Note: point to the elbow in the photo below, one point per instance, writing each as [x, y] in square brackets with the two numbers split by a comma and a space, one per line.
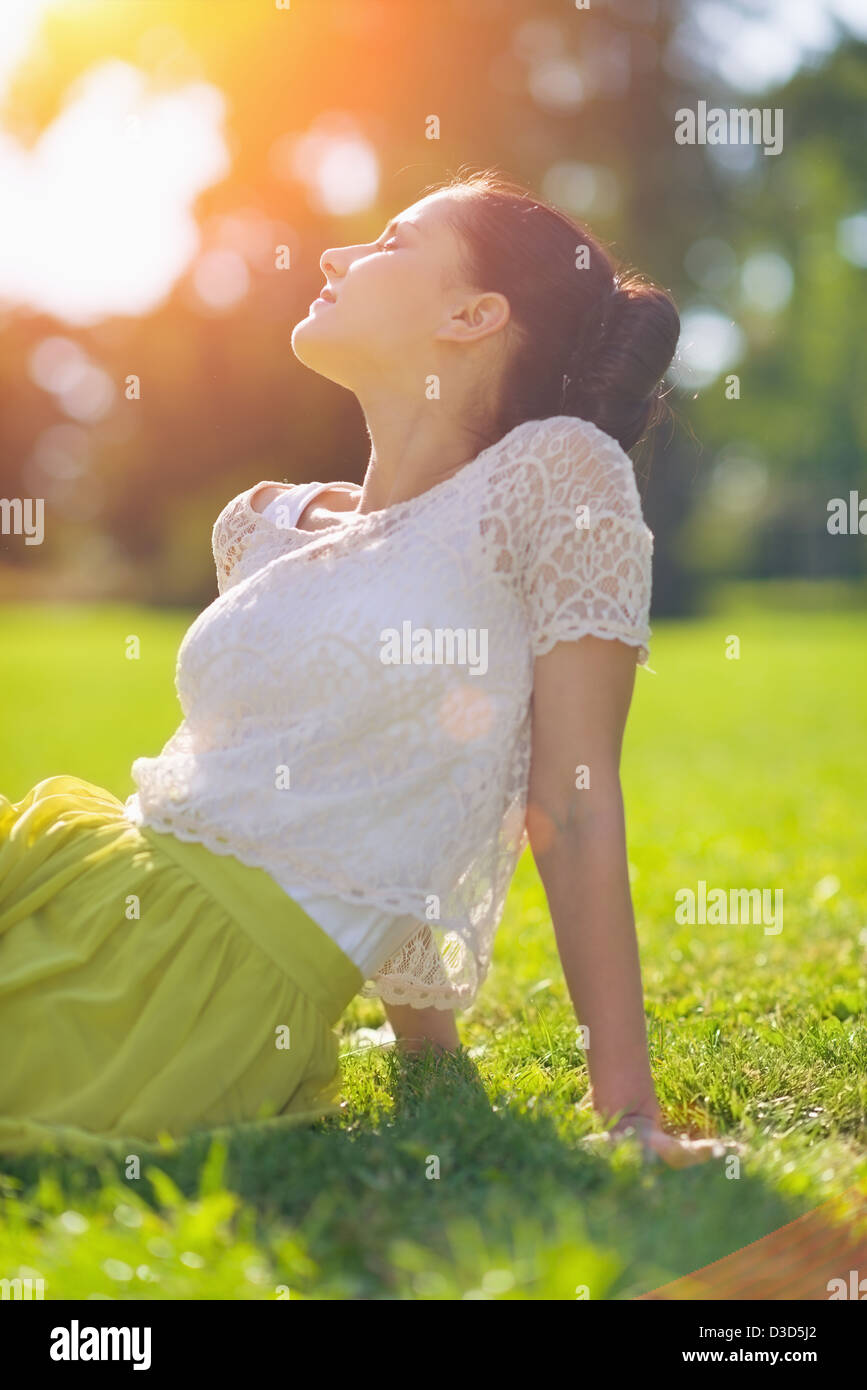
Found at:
[564, 829]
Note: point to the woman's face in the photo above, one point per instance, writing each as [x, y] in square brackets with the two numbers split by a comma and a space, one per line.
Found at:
[385, 302]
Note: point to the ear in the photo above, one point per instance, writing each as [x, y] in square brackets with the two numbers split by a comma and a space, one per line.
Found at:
[474, 318]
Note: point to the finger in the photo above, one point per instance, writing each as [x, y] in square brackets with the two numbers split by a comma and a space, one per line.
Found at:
[687, 1153]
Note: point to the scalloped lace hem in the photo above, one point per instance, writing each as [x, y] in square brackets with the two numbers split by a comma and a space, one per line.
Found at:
[418, 996]
[402, 906]
[548, 643]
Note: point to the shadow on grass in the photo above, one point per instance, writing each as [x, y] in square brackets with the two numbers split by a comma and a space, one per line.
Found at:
[438, 1163]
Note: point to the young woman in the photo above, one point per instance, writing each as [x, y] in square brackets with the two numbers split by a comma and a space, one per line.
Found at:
[398, 684]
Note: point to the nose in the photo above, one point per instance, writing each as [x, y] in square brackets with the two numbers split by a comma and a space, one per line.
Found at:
[328, 263]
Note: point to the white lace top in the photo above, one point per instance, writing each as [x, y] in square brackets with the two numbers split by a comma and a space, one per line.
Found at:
[365, 934]
[356, 701]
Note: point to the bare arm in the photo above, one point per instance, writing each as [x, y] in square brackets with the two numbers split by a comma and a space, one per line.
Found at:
[582, 693]
[415, 1028]
[581, 697]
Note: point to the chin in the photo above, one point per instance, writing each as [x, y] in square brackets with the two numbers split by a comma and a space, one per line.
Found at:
[314, 351]
[304, 343]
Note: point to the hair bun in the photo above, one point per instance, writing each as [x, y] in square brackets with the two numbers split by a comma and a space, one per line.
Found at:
[621, 365]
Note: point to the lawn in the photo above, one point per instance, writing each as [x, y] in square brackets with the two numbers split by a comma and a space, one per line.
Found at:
[739, 773]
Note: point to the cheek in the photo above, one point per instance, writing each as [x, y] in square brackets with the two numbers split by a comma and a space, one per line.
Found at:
[398, 302]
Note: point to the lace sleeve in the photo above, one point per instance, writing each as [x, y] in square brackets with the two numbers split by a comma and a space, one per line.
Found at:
[235, 524]
[588, 561]
[414, 975]
[230, 539]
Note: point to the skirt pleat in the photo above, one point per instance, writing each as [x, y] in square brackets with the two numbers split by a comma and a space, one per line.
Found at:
[148, 987]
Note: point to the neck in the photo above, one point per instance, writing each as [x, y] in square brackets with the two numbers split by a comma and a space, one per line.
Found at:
[414, 446]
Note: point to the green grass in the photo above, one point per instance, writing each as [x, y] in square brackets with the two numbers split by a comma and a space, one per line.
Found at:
[742, 773]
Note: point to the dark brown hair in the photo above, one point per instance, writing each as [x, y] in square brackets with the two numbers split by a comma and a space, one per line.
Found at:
[591, 341]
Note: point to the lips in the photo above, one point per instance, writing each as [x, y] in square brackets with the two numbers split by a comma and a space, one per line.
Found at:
[328, 295]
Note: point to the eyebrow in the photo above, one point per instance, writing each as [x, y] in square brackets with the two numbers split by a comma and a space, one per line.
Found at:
[395, 226]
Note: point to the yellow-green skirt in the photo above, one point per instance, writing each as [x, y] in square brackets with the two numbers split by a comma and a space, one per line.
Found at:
[150, 988]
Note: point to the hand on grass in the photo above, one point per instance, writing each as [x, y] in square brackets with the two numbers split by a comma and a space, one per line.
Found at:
[674, 1150]
[677, 1151]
